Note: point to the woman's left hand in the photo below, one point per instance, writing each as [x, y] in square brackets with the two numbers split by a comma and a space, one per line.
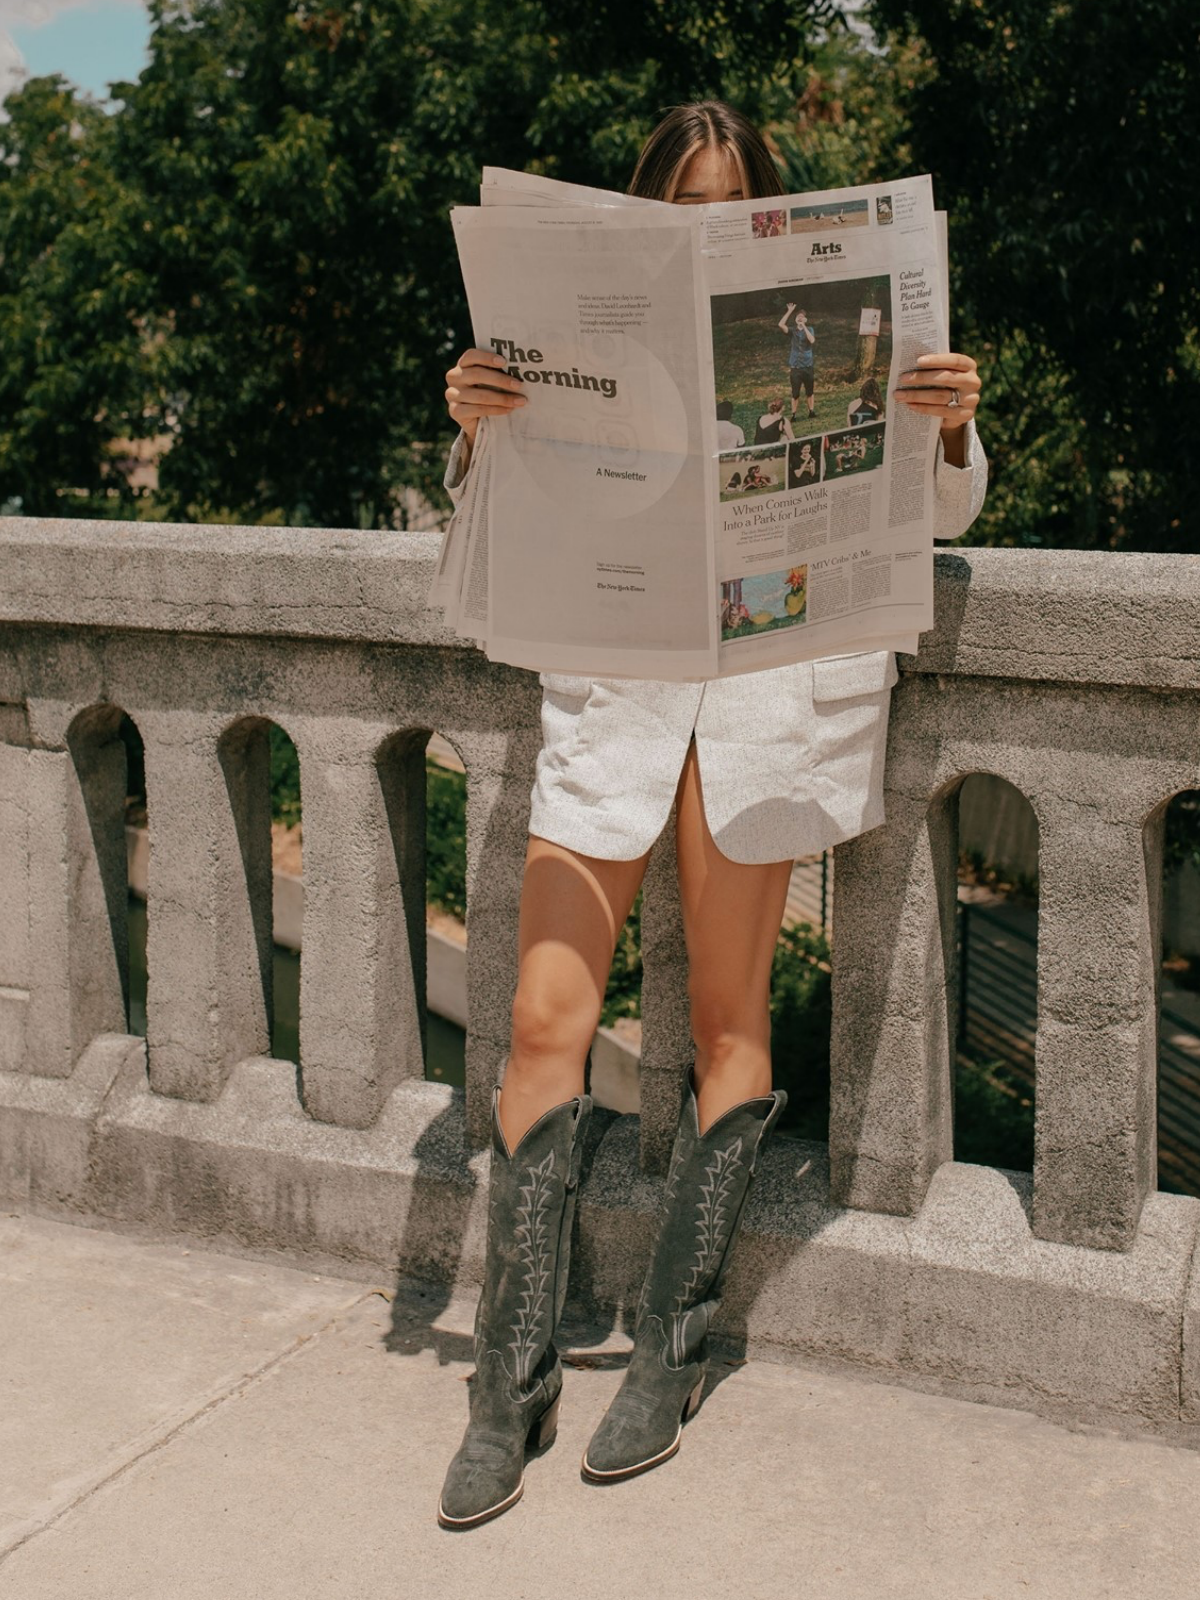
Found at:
[930, 389]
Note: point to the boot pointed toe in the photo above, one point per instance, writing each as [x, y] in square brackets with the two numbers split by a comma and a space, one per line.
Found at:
[484, 1479]
[642, 1428]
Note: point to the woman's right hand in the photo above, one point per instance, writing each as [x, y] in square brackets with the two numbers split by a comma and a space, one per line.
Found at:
[479, 386]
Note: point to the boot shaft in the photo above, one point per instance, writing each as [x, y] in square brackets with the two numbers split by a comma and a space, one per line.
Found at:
[531, 1204]
[708, 1182]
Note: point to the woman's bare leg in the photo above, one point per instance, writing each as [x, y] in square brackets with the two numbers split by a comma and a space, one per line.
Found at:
[572, 909]
[731, 918]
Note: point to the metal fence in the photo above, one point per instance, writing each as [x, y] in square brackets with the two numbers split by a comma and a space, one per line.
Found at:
[1178, 1103]
[997, 988]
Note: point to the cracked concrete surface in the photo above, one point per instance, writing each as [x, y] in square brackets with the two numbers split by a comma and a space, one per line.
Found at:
[182, 1424]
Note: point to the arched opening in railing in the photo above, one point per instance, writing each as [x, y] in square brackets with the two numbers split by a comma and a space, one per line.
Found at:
[99, 740]
[997, 996]
[287, 894]
[445, 934]
[137, 860]
[262, 780]
[1179, 998]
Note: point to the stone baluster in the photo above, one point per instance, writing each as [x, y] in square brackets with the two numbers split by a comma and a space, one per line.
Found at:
[362, 970]
[16, 900]
[1098, 948]
[894, 962]
[667, 1048]
[208, 953]
[72, 788]
[500, 769]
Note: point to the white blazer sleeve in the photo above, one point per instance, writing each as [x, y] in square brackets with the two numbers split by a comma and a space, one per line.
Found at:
[958, 491]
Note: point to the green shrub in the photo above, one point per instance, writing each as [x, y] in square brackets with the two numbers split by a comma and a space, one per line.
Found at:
[623, 997]
[285, 779]
[993, 1115]
[446, 839]
[800, 1023]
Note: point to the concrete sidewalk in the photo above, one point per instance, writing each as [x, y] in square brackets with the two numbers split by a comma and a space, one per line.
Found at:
[180, 1425]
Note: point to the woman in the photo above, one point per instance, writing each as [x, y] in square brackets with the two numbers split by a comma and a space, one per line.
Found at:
[773, 426]
[616, 755]
[867, 408]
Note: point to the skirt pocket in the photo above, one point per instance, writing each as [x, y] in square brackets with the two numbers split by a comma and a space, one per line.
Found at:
[841, 677]
[565, 683]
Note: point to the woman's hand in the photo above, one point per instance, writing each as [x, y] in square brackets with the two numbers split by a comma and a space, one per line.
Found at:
[930, 388]
[479, 386]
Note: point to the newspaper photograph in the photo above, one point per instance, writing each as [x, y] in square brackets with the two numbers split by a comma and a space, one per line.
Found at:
[824, 492]
[708, 477]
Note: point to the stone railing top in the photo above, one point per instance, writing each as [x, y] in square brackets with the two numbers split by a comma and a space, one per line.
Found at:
[1063, 615]
[165, 577]
[1070, 616]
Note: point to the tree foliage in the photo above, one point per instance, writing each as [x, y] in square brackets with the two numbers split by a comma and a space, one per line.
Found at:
[250, 257]
[70, 344]
[296, 163]
[1063, 139]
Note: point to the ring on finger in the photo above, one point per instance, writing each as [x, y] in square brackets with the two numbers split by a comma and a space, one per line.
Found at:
[953, 401]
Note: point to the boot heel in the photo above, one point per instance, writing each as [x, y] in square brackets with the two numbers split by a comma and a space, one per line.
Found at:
[693, 1400]
[545, 1429]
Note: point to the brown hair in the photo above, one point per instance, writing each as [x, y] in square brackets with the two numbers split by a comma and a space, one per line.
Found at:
[870, 393]
[706, 125]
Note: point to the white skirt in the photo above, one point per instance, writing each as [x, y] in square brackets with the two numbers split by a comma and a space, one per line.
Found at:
[791, 759]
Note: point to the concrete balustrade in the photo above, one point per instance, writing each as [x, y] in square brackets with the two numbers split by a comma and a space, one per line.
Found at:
[1074, 677]
[209, 880]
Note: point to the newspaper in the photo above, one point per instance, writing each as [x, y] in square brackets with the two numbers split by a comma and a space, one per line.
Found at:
[710, 476]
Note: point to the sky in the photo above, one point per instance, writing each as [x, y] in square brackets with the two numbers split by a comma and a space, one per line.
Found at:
[91, 42]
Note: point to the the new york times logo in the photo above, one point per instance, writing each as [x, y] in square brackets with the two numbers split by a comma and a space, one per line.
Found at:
[826, 250]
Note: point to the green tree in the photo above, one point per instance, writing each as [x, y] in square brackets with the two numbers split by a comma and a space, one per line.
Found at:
[70, 343]
[295, 163]
[1062, 138]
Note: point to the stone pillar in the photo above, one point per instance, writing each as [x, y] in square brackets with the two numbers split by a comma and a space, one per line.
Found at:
[15, 966]
[76, 882]
[894, 967]
[208, 902]
[49, 1026]
[362, 969]
[499, 770]
[1095, 1157]
[667, 1048]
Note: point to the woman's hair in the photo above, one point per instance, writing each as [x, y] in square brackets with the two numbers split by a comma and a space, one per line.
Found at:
[776, 405]
[706, 125]
[870, 393]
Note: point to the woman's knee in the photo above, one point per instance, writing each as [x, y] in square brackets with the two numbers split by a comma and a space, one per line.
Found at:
[552, 1021]
[723, 1024]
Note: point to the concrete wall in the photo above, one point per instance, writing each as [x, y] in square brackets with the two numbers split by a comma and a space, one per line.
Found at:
[1073, 676]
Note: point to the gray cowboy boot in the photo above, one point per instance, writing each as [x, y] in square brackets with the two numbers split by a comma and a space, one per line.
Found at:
[707, 1184]
[518, 1376]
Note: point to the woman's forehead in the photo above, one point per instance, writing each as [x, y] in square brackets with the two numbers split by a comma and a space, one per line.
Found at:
[710, 174]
